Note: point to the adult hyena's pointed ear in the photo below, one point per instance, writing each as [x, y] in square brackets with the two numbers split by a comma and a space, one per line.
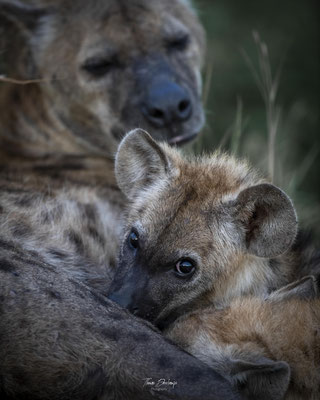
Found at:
[267, 220]
[27, 16]
[140, 162]
[263, 379]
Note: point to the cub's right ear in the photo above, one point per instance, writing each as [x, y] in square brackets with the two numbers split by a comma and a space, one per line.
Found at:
[267, 219]
[140, 162]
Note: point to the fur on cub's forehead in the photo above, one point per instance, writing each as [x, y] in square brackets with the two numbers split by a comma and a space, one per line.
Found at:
[215, 178]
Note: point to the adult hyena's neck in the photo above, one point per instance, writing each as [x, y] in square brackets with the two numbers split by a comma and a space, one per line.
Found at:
[29, 126]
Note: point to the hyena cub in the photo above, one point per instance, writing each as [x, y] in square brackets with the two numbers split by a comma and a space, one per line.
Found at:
[267, 348]
[199, 232]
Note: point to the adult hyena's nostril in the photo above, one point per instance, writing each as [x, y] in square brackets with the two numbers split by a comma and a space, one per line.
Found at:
[166, 103]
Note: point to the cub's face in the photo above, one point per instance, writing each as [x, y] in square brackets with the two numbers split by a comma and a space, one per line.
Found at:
[176, 247]
[192, 227]
[116, 65]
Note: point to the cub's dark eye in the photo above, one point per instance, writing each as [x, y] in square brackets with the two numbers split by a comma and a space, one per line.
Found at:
[133, 239]
[179, 43]
[98, 67]
[184, 268]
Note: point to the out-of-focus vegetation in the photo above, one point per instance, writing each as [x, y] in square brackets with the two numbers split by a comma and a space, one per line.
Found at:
[241, 116]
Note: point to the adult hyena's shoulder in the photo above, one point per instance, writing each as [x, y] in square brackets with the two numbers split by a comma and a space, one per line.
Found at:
[74, 225]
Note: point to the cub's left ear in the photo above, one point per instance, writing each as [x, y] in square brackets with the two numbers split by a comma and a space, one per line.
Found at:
[140, 162]
[267, 219]
[263, 380]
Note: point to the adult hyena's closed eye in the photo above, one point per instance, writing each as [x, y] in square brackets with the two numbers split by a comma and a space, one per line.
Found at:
[199, 231]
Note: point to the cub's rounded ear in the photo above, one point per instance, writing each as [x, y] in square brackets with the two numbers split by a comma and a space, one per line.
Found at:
[264, 379]
[140, 162]
[267, 219]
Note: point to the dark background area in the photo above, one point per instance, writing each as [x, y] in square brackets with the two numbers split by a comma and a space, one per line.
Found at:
[235, 110]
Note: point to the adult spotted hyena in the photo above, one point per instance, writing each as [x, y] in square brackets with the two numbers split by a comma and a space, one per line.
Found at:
[106, 66]
[199, 232]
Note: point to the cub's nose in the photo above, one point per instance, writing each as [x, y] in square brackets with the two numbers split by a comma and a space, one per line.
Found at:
[165, 103]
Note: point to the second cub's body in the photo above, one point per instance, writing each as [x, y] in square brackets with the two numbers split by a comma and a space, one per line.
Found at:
[268, 348]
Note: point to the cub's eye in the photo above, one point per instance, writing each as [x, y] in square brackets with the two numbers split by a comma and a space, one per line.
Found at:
[184, 268]
[133, 239]
[179, 43]
[98, 67]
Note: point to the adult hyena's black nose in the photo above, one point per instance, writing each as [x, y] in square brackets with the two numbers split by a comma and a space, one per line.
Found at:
[166, 103]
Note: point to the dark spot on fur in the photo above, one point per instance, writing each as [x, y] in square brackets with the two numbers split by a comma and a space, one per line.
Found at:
[96, 236]
[140, 336]
[165, 362]
[63, 325]
[23, 323]
[54, 294]
[20, 229]
[6, 266]
[89, 211]
[191, 374]
[76, 239]
[57, 253]
[72, 166]
[110, 333]
[88, 326]
[25, 200]
[6, 245]
[1, 210]
[115, 316]
[7, 189]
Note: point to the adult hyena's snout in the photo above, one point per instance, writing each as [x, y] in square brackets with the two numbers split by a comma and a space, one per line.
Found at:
[166, 103]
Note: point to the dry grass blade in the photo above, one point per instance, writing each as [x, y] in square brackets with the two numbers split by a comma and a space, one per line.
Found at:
[207, 81]
[20, 81]
[268, 87]
[237, 131]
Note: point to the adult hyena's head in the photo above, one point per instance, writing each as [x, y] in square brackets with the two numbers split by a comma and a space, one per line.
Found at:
[198, 231]
[116, 65]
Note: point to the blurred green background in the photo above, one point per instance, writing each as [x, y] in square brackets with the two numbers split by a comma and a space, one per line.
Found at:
[236, 111]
